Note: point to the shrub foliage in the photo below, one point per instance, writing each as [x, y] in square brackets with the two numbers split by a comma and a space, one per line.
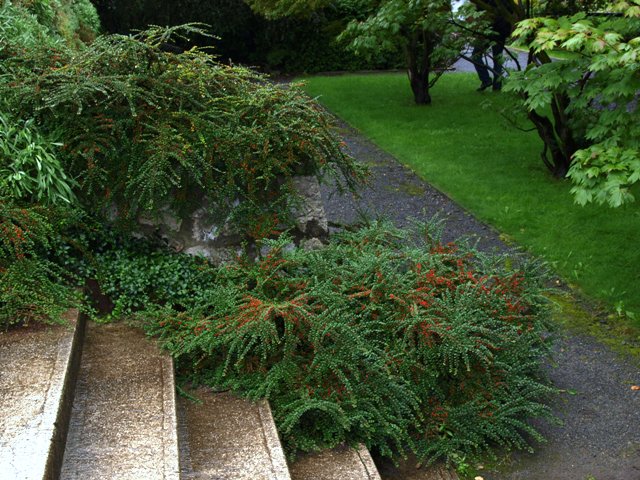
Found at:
[69, 21]
[36, 197]
[123, 122]
[422, 346]
[32, 288]
[430, 347]
[146, 128]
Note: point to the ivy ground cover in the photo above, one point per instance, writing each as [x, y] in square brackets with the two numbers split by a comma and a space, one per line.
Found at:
[464, 146]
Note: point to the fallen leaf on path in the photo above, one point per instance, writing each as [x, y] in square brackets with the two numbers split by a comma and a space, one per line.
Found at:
[635, 387]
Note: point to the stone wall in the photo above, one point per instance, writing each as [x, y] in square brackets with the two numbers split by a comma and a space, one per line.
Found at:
[200, 234]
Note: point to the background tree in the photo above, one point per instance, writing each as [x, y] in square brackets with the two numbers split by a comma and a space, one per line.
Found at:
[558, 8]
[231, 21]
[421, 29]
[554, 117]
[273, 9]
[553, 124]
[593, 96]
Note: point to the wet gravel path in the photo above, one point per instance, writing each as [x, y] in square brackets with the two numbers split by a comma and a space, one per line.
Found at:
[600, 435]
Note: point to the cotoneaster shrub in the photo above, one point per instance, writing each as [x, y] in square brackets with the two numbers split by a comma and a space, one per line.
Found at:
[146, 129]
[428, 347]
[32, 287]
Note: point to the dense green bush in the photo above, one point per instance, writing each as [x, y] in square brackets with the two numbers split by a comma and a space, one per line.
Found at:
[594, 131]
[145, 129]
[140, 275]
[71, 21]
[310, 44]
[123, 122]
[429, 347]
[231, 20]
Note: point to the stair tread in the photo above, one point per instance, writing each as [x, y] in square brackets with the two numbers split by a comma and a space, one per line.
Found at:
[409, 469]
[36, 366]
[123, 423]
[231, 437]
[341, 463]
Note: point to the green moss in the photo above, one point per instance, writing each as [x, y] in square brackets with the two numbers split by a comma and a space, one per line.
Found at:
[371, 161]
[617, 331]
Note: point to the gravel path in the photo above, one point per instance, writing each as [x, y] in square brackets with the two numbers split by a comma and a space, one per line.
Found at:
[600, 435]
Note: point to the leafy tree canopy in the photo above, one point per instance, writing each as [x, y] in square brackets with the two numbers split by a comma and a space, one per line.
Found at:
[601, 82]
[420, 28]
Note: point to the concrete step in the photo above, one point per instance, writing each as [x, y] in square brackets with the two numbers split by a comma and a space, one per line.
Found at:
[227, 437]
[123, 423]
[38, 367]
[408, 469]
[341, 463]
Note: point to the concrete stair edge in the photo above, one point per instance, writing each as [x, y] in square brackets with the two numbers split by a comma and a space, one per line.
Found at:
[272, 441]
[61, 425]
[123, 422]
[171, 425]
[228, 436]
[343, 462]
[32, 439]
[65, 372]
[367, 462]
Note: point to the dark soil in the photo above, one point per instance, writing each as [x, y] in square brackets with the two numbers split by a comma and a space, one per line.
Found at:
[599, 438]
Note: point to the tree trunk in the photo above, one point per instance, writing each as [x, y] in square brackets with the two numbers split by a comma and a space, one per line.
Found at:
[420, 88]
[560, 160]
[555, 128]
[557, 135]
[418, 52]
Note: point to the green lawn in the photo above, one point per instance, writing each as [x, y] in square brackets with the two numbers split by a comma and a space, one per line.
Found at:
[463, 146]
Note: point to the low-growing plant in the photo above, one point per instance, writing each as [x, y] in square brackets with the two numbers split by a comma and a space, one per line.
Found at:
[375, 339]
[142, 274]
